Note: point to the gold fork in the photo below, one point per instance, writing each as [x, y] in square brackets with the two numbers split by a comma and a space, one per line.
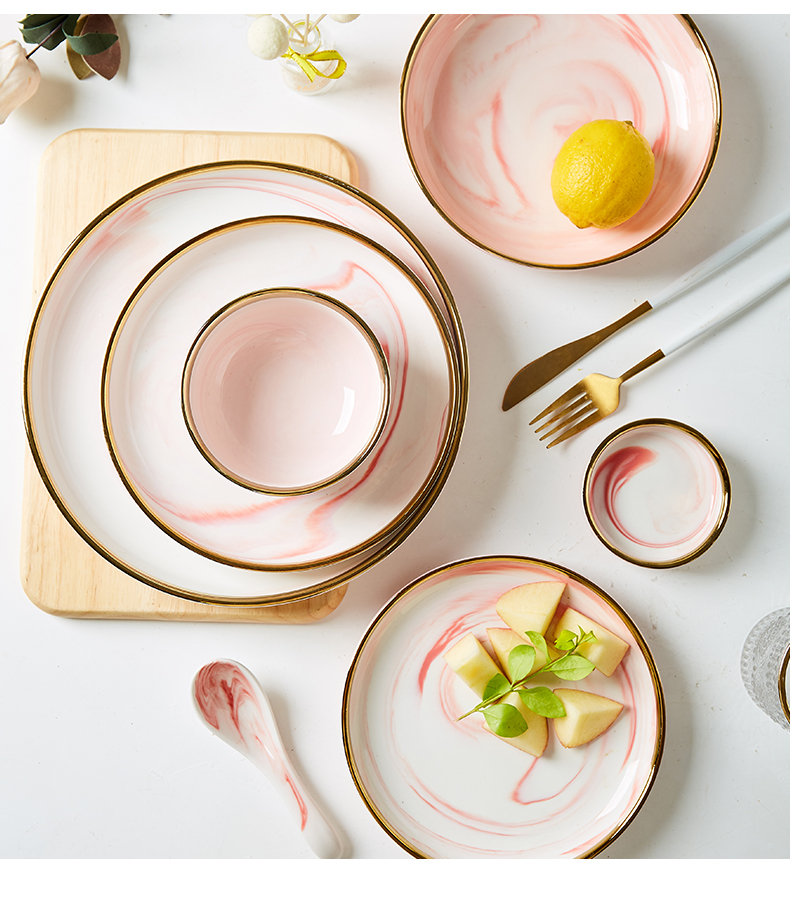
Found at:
[597, 396]
[594, 397]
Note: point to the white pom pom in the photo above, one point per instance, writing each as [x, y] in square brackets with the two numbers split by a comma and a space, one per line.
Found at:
[267, 37]
[344, 17]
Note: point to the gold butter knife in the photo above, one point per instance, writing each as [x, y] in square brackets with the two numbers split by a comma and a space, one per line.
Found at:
[540, 371]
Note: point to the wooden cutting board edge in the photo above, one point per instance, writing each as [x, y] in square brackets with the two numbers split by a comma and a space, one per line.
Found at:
[81, 173]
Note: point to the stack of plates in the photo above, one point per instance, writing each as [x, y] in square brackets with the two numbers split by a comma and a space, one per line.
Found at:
[106, 353]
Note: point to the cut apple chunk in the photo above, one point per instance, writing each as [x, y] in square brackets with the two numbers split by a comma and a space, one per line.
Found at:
[531, 606]
[473, 665]
[536, 737]
[504, 641]
[587, 716]
[605, 653]
[469, 659]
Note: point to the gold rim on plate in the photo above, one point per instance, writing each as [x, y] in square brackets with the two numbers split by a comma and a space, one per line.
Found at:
[660, 731]
[460, 356]
[439, 470]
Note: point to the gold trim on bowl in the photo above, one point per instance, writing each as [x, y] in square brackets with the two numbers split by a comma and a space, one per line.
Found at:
[305, 294]
[568, 573]
[718, 460]
[715, 85]
[783, 671]
[460, 405]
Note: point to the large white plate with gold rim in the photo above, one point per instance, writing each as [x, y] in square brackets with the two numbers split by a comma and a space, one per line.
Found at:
[142, 394]
[449, 789]
[488, 100]
[68, 340]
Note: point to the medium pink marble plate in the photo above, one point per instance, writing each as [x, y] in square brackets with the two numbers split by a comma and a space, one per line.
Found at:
[443, 788]
[657, 493]
[159, 461]
[285, 391]
[66, 350]
[488, 100]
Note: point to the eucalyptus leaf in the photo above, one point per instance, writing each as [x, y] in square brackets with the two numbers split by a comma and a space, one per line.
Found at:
[34, 20]
[91, 42]
[538, 640]
[572, 668]
[497, 686]
[505, 720]
[520, 661]
[33, 34]
[542, 701]
[36, 28]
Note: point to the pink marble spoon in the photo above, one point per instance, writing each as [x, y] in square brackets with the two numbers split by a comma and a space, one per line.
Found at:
[232, 705]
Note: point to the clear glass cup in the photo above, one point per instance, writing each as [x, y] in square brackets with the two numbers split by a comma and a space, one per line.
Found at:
[316, 38]
[764, 665]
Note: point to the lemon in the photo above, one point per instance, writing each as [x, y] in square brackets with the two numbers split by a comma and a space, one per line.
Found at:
[603, 173]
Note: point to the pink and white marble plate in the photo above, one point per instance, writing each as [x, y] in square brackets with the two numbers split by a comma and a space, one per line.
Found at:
[443, 788]
[657, 493]
[169, 476]
[488, 100]
[68, 340]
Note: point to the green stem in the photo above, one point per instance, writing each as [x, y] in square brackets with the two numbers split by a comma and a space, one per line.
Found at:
[547, 668]
[47, 37]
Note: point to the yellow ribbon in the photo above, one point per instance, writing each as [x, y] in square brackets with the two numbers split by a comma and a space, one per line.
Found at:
[311, 72]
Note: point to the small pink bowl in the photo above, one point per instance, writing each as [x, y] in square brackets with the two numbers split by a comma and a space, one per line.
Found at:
[657, 493]
[285, 391]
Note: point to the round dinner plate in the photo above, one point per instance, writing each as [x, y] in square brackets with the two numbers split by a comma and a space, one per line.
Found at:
[156, 455]
[68, 341]
[488, 100]
[443, 788]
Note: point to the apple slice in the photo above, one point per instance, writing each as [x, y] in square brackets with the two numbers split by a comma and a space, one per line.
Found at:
[505, 641]
[531, 606]
[586, 716]
[473, 665]
[608, 650]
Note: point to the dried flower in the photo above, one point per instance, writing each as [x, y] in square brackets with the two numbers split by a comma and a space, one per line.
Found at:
[19, 78]
[267, 37]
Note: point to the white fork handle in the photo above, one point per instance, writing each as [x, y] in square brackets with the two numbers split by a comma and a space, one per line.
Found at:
[720, 259]
[748, 299]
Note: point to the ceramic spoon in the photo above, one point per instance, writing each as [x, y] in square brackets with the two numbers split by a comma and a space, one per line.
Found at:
[232, 705]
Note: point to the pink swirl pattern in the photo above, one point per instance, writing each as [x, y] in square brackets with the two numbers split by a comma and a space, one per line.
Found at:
[448, 789]
[655, 493]
[67, 348]
[202, 507]
[489, 99]
[229, 703]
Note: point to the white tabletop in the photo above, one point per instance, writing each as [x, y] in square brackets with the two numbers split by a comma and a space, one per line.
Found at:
[102, 754]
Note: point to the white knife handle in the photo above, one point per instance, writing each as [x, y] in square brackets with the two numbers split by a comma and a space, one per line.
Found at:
[748, 299]
[720, 259]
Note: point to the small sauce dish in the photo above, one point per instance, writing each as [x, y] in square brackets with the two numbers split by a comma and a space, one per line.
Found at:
[285, 390]
[657, 493]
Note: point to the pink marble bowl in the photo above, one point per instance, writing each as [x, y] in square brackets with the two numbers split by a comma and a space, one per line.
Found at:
[285, 391]
[657, 493]
[487, 101]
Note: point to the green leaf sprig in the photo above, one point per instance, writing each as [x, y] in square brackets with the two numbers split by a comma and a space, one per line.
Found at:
[47, 30]
[504, 719]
